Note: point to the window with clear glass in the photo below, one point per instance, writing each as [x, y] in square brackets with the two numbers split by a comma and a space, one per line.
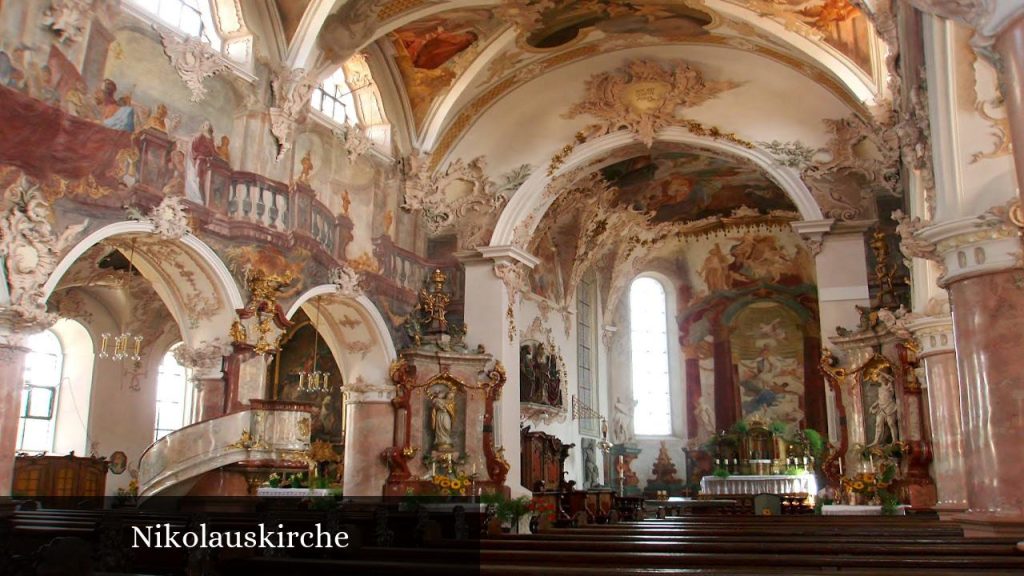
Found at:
[173, 396]
[334, 98]
[190, 17]
[648, 321]
[40, 386]
[585, 320]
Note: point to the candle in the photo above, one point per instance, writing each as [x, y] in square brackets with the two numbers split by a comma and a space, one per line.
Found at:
[433, 468]
[840, 466]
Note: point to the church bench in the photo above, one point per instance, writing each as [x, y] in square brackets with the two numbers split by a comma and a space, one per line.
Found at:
[951, 548]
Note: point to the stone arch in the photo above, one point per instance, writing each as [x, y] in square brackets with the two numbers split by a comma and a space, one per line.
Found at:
[186, 273]
[353, 329]
[531, 200]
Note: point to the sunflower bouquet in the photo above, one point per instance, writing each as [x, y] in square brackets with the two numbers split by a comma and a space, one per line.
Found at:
[452, 485]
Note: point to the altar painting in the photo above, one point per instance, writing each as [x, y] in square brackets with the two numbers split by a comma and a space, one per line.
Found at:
[296, 356]
[767, 348]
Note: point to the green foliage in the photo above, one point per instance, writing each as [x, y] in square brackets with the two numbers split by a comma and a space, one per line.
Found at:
[888, 473]
[740, 428]
[777, 428]
[890, 502]
[794, 471]
[815, 442]
[514, 509]
[721, 473]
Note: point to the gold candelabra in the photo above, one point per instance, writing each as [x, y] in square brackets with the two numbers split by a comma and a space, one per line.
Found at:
[315, 380]
[126, 346]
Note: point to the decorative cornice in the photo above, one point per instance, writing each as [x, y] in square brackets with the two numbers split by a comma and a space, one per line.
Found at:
[934, 334]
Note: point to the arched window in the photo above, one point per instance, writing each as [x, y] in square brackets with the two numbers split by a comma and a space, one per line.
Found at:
[41, 384]
[190, 17]
[648, 321]
[351, 97]
[173, 396]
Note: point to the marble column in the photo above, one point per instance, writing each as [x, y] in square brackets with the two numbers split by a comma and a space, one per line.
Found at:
[12, 364]
[370, 419]
[938, 359]
[986, 290]
[494, 274]
[1009, 46]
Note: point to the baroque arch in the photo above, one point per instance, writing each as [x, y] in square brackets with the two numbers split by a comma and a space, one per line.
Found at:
[189, 277]
[353, 329]
[528, 205]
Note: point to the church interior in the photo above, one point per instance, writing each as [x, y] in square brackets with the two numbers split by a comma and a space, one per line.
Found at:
[601, 286]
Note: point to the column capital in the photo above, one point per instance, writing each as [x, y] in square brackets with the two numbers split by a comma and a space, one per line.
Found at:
[362, 392]
[813, 232]
[974, 246]
[934, 334]
[497, 255]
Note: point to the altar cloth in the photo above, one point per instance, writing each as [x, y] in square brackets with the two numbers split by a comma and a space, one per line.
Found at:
[750, 485]
[291, 492]
[854, 510]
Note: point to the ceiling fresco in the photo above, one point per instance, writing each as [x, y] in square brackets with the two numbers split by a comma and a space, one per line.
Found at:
[433, 51]
[566, 21]
[674, 186]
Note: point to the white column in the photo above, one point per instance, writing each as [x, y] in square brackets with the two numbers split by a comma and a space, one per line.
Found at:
[491, 312]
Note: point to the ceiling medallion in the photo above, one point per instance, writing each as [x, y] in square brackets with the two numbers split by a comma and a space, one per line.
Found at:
[644, 97]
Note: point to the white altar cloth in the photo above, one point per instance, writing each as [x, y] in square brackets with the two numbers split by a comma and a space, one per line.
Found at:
[852, 510]
[268, 492]
[752, 485]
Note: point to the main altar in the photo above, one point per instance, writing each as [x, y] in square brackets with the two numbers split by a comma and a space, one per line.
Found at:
[752, 485]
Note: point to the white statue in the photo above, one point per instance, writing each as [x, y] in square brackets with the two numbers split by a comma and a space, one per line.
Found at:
[622, 421]
[705, 418]
[442, 413]
[884, 410]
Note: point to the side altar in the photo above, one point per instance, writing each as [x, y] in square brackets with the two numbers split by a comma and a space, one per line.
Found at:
[443, 408]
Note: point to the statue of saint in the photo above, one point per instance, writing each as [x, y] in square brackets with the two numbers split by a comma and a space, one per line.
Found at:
[442, 414]
[884, 410]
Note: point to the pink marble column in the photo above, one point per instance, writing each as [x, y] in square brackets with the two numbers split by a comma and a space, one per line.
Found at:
[938, 358]
[1010, 47]
[12, 364]
[211, 398]
[369, 430]
[988, 316]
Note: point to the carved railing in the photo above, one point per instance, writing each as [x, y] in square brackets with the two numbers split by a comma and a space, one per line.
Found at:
[267, 432]
[246, 198]
[409, 270]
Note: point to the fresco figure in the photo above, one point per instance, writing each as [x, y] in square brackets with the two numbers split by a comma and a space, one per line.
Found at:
[715, 270]
[116, 113]
[202, 147]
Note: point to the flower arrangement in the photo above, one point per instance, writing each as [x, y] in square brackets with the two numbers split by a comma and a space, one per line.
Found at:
[454, 485]
[543, 509]
[872, 485]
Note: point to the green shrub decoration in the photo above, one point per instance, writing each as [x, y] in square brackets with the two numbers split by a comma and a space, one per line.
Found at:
[721, 473]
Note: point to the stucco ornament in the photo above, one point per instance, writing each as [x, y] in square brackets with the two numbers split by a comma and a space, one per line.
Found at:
[645, 96]
[30, 250]
[911, 244]
[860, 161]
[448, 197]
[206, 359]
[346, 279]
[513, 277]
[68, 19]
[355, 142]
[292, 90]
[789, 154]
[898, 321]
[193, 60]
[169, 218]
